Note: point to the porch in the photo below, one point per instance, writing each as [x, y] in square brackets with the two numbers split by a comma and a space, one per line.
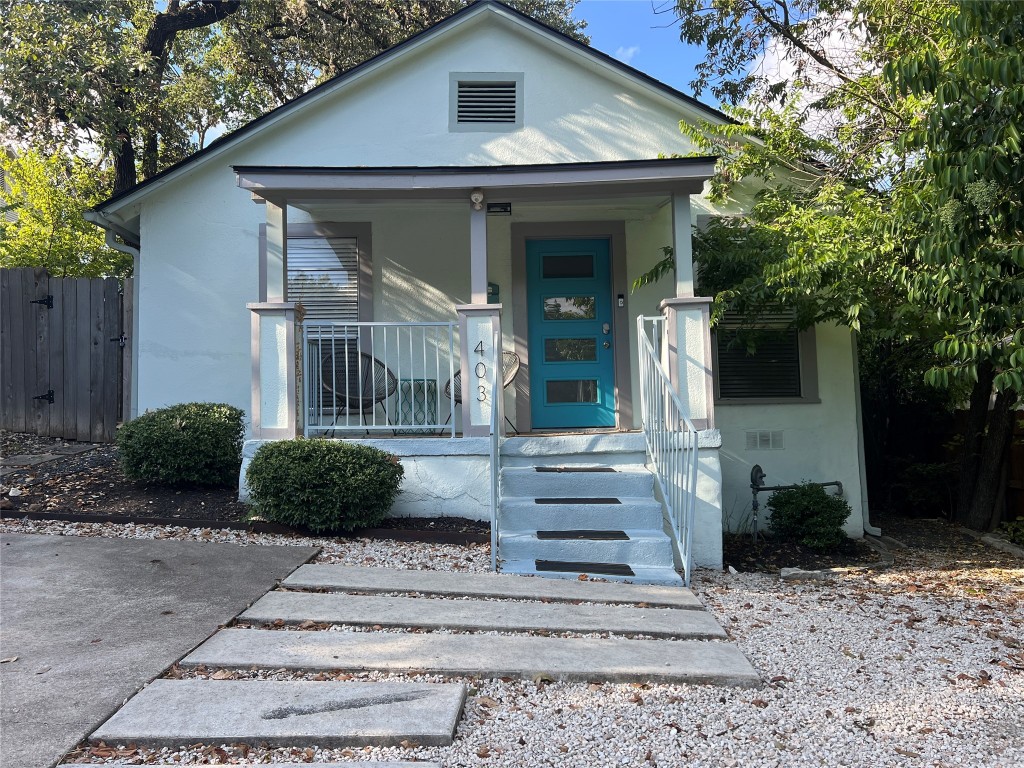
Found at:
[550, 341]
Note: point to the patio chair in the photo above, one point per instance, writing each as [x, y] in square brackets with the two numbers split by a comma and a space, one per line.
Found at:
[354, 381]
[510, 369]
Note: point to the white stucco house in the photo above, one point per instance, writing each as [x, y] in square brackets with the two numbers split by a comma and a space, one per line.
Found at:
[350, 265]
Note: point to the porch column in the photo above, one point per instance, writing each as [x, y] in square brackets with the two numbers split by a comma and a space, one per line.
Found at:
[479, 356]
[682, 243]
[478, 252]
[272, 350]
[275, 268]
[687, 356]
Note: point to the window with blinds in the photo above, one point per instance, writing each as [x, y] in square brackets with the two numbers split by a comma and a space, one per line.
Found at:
[323, 274]
[771, 370]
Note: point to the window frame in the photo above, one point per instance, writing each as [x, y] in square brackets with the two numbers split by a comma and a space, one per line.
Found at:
[454, 78]
[807, 357]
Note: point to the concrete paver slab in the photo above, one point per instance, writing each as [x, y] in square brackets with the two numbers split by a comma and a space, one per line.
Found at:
[92, 620]
[296, 607]
[346, 578]
[559, 658]
[361, 764]
[169, 713]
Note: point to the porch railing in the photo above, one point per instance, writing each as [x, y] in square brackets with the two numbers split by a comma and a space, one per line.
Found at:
[395, 377]
[670, 436]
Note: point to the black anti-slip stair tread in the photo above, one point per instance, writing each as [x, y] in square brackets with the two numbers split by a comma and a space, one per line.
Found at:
[577, 500]
[575, 469]
[584, 534]
[600, 569]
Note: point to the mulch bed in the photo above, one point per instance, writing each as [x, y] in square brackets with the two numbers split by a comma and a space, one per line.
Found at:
[91, 484]
[771, 555]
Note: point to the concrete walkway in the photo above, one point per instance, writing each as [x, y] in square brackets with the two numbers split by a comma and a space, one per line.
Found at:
[92, 620]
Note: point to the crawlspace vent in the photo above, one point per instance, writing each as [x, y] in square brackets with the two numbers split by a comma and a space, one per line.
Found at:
[765, 440]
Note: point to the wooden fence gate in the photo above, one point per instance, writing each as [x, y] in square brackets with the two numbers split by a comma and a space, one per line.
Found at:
[64, 357]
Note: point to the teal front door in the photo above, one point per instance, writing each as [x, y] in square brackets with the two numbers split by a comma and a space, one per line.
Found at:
[572, 364]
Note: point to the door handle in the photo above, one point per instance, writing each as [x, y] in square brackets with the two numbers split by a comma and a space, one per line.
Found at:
[606, 329]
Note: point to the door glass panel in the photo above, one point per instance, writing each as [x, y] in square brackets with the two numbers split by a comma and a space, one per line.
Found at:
[575, 391]
[570, 350]
[570, 308]
[568, 265]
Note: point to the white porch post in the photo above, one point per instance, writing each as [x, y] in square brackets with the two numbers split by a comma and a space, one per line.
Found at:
[687, 353]
[276, 267]
[478, 252]
[478, 359]
[273, 370]
[272, 344]
[682, 243]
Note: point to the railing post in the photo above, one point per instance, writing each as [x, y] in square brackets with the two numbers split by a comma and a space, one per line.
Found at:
[479, 357]
[272, 351]
[686, 354]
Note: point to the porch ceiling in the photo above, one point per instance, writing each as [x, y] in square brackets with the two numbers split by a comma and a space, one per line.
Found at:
[567, 181]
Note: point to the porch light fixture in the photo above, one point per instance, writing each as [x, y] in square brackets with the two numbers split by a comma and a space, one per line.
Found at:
[476, 197]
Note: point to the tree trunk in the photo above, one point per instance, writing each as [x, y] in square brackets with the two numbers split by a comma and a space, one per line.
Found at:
[974, 435]
[125, 175]
[984, 514]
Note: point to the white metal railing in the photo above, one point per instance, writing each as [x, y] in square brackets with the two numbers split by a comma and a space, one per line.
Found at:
[379, 376]
[497, 422]
[670, 436]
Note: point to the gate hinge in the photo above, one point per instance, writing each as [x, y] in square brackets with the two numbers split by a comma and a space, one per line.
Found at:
[120, 340]
[48, 397]
[48, 302]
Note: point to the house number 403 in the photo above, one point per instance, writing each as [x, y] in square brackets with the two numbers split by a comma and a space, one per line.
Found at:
[481, 373]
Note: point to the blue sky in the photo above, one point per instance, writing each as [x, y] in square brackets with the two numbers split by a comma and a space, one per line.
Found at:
[642, 33]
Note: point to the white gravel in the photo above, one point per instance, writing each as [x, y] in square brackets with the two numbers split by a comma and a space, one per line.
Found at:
[920, 665]
[368, 552]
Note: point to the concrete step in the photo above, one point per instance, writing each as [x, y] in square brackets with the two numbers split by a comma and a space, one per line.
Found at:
[596, 449]
[169, 713]
[518, 513]
[479, 615]
[581, 659]
[644, 548]
[641, 576]
[370, 764]
[626, 480]
[370, 580]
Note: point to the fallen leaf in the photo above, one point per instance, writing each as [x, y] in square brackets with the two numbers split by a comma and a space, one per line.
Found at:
[222, 674]
[483, 752]
[8, 660]
[907, 752]
[761, 703]
[487, 701]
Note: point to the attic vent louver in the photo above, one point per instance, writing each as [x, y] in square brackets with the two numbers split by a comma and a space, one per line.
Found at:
[485, 101]
[493, 102]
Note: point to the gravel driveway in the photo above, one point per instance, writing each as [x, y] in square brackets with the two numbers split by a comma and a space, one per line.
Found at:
[918, 665]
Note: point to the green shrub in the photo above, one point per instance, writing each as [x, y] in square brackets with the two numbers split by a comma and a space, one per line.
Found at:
[810, 516]
[323, 485]
[186, 444]
[1013, 532]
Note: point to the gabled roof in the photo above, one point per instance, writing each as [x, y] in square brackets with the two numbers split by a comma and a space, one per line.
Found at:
[460, 16]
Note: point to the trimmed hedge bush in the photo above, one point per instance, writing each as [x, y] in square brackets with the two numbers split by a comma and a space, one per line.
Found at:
[323, 485]
[186, 444]
[810, 516]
